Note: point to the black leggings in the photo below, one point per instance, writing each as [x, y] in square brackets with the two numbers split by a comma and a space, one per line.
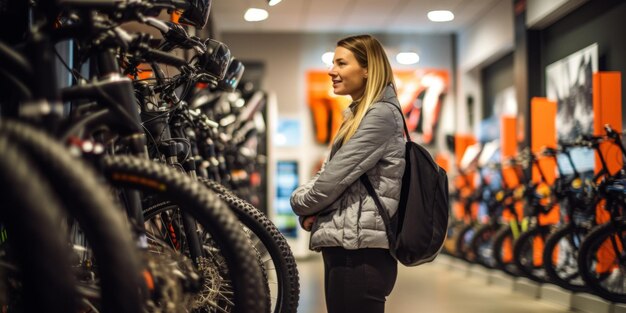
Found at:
[358, 280]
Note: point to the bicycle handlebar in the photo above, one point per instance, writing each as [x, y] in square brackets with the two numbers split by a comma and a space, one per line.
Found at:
[164, 57]
[92, 4]
[549, 151]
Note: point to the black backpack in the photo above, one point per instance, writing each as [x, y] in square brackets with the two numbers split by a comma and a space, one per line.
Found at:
[418, 229]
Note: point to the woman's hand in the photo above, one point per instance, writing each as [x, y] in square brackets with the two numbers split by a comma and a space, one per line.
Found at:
[308, 222]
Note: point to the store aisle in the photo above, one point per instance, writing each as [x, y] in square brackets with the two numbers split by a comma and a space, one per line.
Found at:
[430, 288]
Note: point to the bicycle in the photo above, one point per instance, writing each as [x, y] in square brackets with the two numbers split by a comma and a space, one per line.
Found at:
[124, 111]
[561, 248]
[601, 257]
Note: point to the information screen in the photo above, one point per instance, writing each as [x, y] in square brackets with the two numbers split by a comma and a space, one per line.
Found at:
[286, 182]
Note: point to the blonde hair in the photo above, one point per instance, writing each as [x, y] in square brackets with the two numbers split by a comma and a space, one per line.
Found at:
[371, 56]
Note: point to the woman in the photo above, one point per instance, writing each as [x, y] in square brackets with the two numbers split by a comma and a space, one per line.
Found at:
[343, 219]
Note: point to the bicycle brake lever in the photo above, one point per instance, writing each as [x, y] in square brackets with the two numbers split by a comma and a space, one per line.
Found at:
[156, 23]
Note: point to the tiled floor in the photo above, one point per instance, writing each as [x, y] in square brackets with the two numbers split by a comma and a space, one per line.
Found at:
[430, 288]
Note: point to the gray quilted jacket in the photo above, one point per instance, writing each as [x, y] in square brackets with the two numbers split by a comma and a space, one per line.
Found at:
[346, 214]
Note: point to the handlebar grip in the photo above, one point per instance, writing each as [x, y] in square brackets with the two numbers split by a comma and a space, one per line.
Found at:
[611, 133]
[591, 140]
[212, 123]
[90, 4]
[164, 57]
[588, 137]
[549, 151]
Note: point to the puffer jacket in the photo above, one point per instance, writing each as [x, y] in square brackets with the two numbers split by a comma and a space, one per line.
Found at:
[346, 214]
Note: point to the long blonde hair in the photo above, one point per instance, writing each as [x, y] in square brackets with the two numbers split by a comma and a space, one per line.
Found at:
[371, 56]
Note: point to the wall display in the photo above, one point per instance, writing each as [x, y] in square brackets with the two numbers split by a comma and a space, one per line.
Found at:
[288, 133]
[569, 83]
[286, 182]
[326, 107]
[504, 104]
[421, 94]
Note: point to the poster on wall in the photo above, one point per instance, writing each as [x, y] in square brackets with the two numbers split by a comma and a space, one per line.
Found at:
[421, 94]
[569, 83]
[326, 107]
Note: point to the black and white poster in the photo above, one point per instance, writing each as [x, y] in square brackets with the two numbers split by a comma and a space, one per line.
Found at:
[569, 83]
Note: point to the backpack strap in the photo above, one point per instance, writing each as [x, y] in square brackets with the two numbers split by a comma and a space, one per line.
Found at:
[384, 214]
[406, 129]
[381, 209]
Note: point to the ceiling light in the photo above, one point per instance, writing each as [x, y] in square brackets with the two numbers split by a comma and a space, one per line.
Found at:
[327, 58]
[407, 58]
[273, 2]
[440, 16]
[255, 15]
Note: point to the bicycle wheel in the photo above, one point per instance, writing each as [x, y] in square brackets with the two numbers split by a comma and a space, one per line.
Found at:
[115, 258]
[560, 257]
[528, 253]
[210, 212]
[463, 243]
[453, 230]
[168, 240]
[602, 262]
[502, 247]
[35, 263]
[275, 253]
[482, 244]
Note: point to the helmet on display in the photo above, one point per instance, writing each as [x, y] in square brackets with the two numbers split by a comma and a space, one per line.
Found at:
[215, 60]
[196, 12]
[232, 77]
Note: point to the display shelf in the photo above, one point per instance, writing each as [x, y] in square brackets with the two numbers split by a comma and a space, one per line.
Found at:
[454, 263]
[501, 279]
[527, 287]
[556, 295]
[619, 308]
[549, 293]
[584, 302]
[479, 272]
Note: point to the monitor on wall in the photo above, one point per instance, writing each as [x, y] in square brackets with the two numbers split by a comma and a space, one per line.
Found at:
[286, 182]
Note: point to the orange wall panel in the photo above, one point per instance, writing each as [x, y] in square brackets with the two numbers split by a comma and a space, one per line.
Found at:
[508, 144]
[543, 134]
[443, 160]
[508, 136]
[607, 109]
[461, 142]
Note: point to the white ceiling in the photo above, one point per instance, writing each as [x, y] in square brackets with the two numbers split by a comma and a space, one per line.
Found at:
[386, 16]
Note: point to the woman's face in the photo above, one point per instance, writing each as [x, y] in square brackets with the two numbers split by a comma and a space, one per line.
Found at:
[348, 76]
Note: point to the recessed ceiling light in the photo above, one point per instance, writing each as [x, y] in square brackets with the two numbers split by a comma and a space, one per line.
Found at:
[327, 58]
[440, 16]
[273, 2]
[407, 58]
[255, 15]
